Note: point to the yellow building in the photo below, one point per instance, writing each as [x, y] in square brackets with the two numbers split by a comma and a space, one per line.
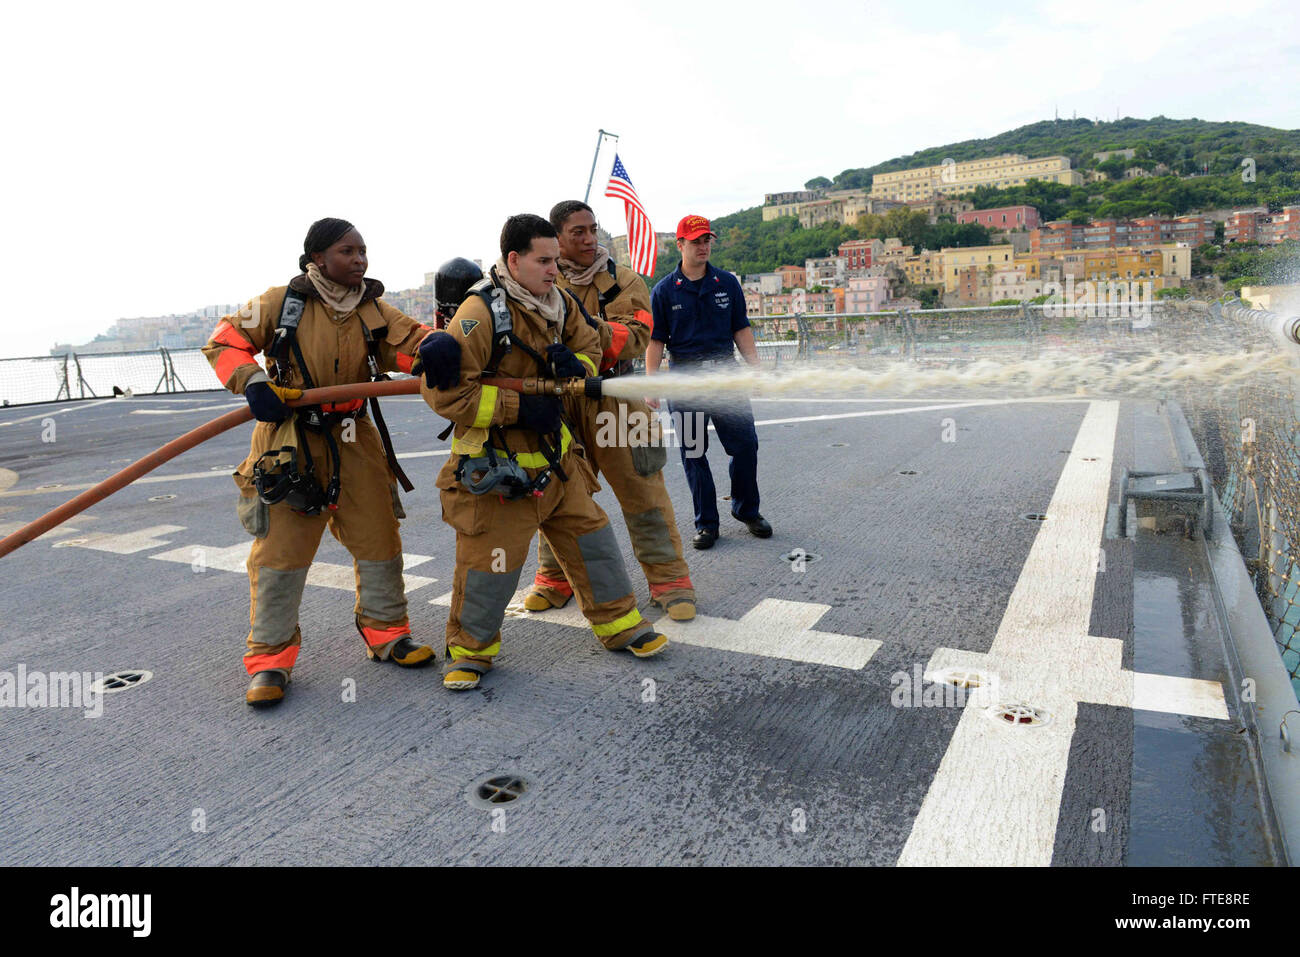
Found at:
[957, 258]
[1010, 169]
[1177, 261]
[925, 267]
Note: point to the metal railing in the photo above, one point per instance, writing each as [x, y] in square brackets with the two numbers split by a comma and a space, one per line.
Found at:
[37, 379]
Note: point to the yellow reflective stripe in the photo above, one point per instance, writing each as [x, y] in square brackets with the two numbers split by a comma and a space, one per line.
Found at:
[471, 443]
[586, 360]
[629, 620]
[457, 652]
[487, 403]
[536, 460]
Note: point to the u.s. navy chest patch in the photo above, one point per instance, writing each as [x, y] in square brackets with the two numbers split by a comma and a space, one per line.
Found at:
[467, 326]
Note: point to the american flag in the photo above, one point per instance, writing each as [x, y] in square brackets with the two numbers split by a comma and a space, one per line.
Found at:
[640, 234]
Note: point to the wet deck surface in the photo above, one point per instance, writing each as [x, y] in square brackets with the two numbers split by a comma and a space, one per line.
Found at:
[699, 755]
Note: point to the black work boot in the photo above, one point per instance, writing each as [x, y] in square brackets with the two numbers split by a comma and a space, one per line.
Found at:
[266, 688]
[704, 538]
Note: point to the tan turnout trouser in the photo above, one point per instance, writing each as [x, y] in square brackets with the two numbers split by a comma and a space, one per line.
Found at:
[635, 474]
[285, 542]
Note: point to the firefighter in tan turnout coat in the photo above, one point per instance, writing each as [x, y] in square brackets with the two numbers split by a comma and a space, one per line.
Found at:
[339, 323]
[514, 466]
[617, 300]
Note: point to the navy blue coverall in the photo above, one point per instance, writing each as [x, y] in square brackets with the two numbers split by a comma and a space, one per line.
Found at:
[697, 321]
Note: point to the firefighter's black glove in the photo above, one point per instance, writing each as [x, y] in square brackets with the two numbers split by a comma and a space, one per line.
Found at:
[564, 363]
[541, 413]
[440, 358]
[266, 405]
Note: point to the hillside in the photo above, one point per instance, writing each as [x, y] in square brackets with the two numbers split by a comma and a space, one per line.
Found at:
[749, 245]
[1185, 145]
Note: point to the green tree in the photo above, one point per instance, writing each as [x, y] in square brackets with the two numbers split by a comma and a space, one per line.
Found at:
[817, 182]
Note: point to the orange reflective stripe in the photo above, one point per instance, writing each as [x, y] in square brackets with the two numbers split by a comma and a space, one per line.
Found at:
[675, 585]
[644, 318]
[616, 344]
[283, 659]
[404, 362]
[238, 351]
[555, 584]
[227, 335]
[382, 636]
[231, 359]
[351, 405]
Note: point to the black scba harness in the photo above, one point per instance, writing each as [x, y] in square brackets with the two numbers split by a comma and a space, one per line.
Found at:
[279, 481]
[506, 476]
[603, 299]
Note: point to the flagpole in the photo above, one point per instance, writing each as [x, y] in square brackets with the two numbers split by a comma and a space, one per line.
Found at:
[599, 139]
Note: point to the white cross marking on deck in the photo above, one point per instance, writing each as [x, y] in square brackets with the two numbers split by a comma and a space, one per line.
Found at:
[774, 628]
[322, 574]
[128, 543]
[996, 796]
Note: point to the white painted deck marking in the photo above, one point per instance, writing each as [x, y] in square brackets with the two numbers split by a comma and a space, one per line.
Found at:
[774, 628]
[59, 531]
[128, 543]
[996, 796]
[63, 411]
[228, 406]
[321, 574]
[1194, 696]
[8, 479]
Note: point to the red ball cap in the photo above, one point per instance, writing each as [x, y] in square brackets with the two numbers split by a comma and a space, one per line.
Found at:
[693, 227]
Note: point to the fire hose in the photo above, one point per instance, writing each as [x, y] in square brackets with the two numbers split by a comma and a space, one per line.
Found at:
[334, 393]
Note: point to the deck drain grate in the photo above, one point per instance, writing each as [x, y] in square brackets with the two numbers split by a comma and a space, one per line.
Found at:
[798, 554]
[121, 681]
[1018, 716]
[500, 789]
[1035, 516]
[161, 498]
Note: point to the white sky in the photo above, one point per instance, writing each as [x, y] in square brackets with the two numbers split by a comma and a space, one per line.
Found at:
[161, 157]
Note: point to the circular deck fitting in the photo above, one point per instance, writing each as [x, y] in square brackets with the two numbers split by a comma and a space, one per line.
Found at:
[1035, 516]
[121, 681]
[1018, 716]
[161, 498]
[71, 541]
[908, 472]
[1090, 458]
[498, 789]
[798, 554]
[50, 485]
[839, 445]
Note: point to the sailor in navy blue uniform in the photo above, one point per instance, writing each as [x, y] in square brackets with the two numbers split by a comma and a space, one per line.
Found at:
[699, 316]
